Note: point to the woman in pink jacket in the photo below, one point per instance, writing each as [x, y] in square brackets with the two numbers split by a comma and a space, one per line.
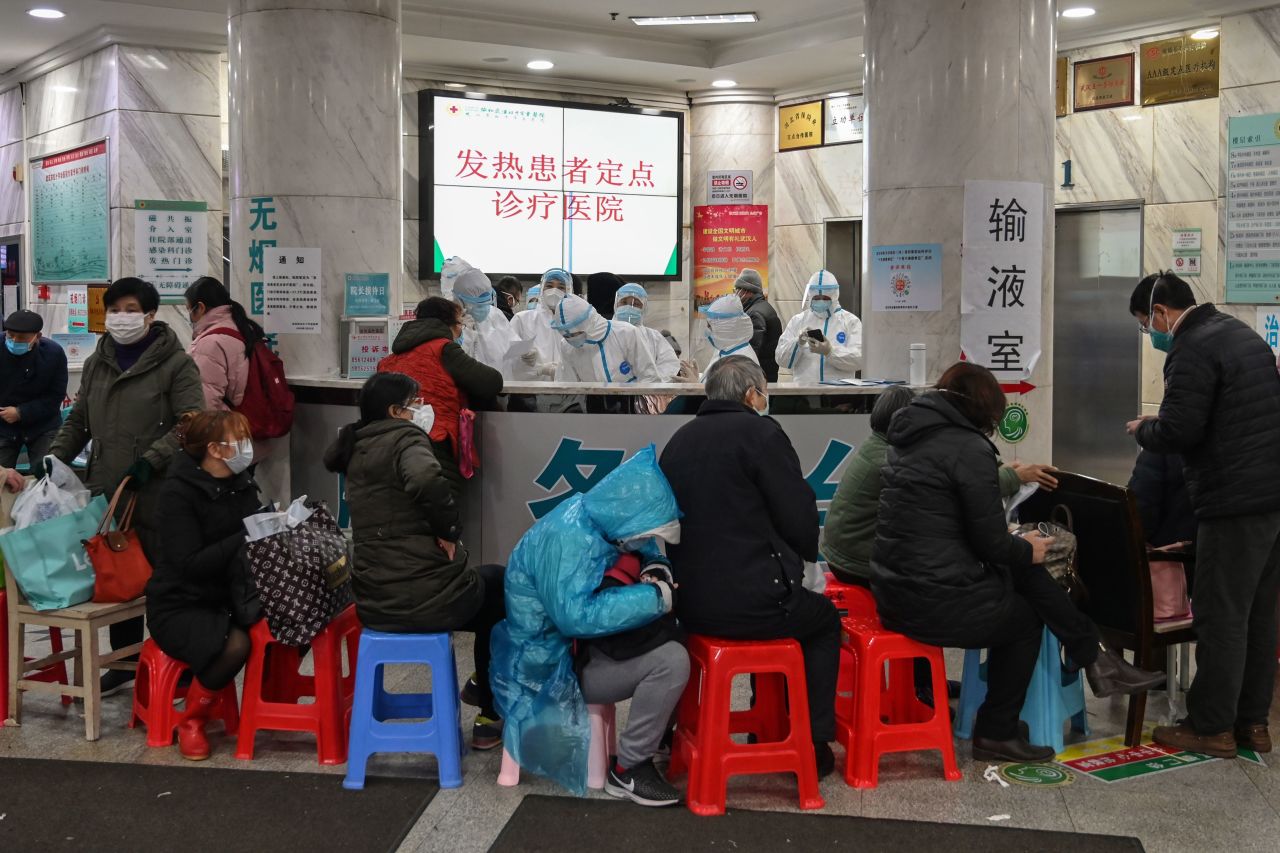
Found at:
[222, 338]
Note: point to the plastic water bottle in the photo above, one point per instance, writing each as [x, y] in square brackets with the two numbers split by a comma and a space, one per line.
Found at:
[917, 364]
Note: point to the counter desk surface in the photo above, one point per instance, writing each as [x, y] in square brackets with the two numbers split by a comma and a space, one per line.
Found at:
[668, 389]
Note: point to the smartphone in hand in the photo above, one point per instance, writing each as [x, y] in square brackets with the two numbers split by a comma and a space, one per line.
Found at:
[816, 335]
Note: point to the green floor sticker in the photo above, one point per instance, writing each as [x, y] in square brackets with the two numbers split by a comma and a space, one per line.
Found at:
[1036, 774]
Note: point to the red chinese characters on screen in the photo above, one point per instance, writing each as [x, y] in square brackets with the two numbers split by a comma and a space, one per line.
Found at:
[594, 177]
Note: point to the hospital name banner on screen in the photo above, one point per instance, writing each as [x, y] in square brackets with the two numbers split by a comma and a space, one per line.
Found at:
[727, 238]
[520, 186]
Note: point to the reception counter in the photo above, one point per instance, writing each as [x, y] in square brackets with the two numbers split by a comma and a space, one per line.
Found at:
[531, 462]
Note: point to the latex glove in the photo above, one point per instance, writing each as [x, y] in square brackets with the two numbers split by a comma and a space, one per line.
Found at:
[664, 589]
[660, 571]
[548, 370]
[139, 474]
[819, 347]
[530, 358]
[688, 372]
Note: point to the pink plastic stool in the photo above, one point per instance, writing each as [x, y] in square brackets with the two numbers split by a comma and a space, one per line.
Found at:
[603, 746]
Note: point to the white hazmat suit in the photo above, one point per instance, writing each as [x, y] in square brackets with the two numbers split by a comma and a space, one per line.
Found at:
[594, 349]
[728, 329]
[486, 334]
[839, 355]
[664, 357]
[535, 325]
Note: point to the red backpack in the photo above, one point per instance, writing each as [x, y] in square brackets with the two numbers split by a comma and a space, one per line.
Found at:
[268, 402]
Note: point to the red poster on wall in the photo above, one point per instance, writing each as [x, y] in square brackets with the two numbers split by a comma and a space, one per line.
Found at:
[727, 238]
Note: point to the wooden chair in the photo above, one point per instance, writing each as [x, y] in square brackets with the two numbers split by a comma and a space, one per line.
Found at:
[85, 620]
[1113, 562]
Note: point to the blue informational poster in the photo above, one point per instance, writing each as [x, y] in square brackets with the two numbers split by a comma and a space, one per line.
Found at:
[70, 216]
[368, 294]
[1253, 208]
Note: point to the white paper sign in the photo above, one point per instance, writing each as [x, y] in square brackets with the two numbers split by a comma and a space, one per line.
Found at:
[844, 119]
[366, 346]
[291, 291]
[1001, 276]
[77, 309]
[729, 187]
[171, 248]
[1269, 327]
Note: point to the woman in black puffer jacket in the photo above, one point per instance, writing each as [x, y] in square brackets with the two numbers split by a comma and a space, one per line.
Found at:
[946, 570]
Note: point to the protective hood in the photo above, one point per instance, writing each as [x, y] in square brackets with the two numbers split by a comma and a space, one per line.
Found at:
[824, 283]
[730, 327]
[558, 274]
[575, 314]
[533, 295]
[634, 500]
[630, 313]
[449, 272]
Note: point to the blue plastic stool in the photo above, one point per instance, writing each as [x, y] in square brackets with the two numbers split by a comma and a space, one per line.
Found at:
[440, 733]
[1053, 697]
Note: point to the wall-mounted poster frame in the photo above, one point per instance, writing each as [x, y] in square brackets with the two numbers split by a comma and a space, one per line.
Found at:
[1097, 85]
[800, 123]
[71, 215]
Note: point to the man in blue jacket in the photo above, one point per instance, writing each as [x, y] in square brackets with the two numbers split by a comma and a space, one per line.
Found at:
[33, 384]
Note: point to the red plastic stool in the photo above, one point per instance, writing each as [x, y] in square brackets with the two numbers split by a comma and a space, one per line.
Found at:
[155, 690]
[273, 684]
[850, 599]
[887, 717]
[55, 673]
[705, 721]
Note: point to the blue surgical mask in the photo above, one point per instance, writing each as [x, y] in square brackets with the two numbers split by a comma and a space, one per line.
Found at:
[822, 307]
[765, 411]
[17, 347]
[629, 314]
[577, 340]
[480, 313]
[1162, 341]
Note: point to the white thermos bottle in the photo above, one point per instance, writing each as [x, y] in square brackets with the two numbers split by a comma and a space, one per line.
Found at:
[917, 364]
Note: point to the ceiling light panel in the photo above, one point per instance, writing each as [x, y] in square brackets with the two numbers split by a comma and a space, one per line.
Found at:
[690, 20]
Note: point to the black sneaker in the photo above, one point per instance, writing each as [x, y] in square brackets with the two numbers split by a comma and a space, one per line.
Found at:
[486, 733]
[470, 693]
[825, 758]
[642, 784]
[115, 681]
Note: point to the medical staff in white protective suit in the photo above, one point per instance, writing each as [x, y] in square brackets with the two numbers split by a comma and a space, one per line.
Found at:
[598, 350]
[486, 332]
[531, 298]
[728, 329]
[836, 353]
[541, 363]
[628, 307]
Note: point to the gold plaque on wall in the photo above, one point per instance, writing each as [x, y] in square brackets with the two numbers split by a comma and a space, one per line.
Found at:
[1104, 83]
[1179, 69]
[800, 126]
[1060, 86]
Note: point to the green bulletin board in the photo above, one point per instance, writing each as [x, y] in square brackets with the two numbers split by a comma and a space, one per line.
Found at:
[70, 213]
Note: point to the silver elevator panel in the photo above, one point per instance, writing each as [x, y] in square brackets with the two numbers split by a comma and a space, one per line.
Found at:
[1096, 344]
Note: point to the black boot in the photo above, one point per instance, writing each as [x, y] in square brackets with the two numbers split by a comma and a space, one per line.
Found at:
[1111, 674]
[1017, 750]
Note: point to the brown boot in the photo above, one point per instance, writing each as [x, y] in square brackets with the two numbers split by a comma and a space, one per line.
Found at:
[192, 742]
[1255, 737]
[1182, 736]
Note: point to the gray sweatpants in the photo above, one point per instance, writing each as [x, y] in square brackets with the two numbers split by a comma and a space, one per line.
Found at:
[653, 682]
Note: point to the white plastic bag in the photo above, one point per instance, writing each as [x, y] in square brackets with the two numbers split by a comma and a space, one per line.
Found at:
[266, 524]
[59, 492]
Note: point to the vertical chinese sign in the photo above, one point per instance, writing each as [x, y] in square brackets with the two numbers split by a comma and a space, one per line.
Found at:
[726, 238]
[262, 226]
[1269, 327]
[1253, 208]
[291, 291]
[171, 244]
[1001, 278]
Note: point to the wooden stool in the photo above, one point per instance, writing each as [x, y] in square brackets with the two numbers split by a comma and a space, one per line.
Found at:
[85, 620]
[56, 673]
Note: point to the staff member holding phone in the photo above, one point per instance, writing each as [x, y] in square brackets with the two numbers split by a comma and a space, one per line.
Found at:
[823, 343]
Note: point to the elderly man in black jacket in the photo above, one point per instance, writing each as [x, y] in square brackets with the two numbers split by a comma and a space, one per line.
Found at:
[1221, 411]
[33, 384]
[765, 324]
[750, 522]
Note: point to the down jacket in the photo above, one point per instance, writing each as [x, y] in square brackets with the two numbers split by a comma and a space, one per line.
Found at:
[400, 503]
[943, 552]
[223, 364]
[1221, 411]
[553, 596]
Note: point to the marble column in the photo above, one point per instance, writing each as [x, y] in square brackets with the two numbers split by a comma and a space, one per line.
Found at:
[731, 130]
[315, 126]
[955, 92]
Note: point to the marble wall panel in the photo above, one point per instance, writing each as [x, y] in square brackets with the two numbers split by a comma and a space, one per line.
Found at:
[11, 194]
[12, 228]
[1185, 162]
[168, 81]
[1111, 153]
[411, 183]
[817, 184]
[168, 156]
[733, 152]
[733, 120]
[11, 116]
[77, 134]
[1250, 48]
[80, 90]
[794, 254]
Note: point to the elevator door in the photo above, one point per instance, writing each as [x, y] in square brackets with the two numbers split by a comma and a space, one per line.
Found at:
[1096, 344]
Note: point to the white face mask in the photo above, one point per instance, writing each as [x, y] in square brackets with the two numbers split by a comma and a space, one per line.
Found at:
[551, 298]
[243, 457]
[424, 417]
[127, 328]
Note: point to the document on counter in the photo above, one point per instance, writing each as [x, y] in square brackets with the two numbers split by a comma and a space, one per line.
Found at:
[866, 383]
[518, 348]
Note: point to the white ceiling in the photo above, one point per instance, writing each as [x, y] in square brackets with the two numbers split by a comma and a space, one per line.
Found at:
[797, 43]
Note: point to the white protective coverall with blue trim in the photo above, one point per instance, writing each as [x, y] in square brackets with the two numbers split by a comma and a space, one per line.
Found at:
[486, 332]
[594, 349]
[664, 357]
[535, 325]
[553, 597]
[728, 329]
[838, 357]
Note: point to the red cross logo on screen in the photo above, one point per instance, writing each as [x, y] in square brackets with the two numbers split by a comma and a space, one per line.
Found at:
[453, 110]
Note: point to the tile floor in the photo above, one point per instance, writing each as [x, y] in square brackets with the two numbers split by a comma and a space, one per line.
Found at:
[1214, 806]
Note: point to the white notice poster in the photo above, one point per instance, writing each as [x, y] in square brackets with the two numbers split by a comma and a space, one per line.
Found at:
[1001, 276]
[171, 245]
[291, 291]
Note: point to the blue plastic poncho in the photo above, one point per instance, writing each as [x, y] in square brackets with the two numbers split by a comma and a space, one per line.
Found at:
[552, 598]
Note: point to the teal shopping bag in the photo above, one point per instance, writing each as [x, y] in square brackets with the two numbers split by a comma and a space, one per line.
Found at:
[48, 559]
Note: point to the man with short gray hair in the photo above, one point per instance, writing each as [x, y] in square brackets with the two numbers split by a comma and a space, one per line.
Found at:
[765, 323]
[750, 522]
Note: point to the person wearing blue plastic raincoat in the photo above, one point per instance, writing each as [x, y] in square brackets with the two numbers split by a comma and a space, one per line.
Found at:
[598, 350]
[838, 353]
[554, 595]
[629, 305]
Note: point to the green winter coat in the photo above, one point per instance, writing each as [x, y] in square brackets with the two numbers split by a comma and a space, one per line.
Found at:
[850, 529]
[130, 415]
[400, 504]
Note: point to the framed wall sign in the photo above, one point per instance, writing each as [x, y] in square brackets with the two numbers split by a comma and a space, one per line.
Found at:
[1101, 84]
[1179, 69]
[800, 126]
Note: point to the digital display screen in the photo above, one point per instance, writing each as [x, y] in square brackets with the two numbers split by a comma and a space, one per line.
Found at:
[519, 186]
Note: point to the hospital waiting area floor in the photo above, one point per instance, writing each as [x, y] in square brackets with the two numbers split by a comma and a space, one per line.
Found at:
[1169, 806]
